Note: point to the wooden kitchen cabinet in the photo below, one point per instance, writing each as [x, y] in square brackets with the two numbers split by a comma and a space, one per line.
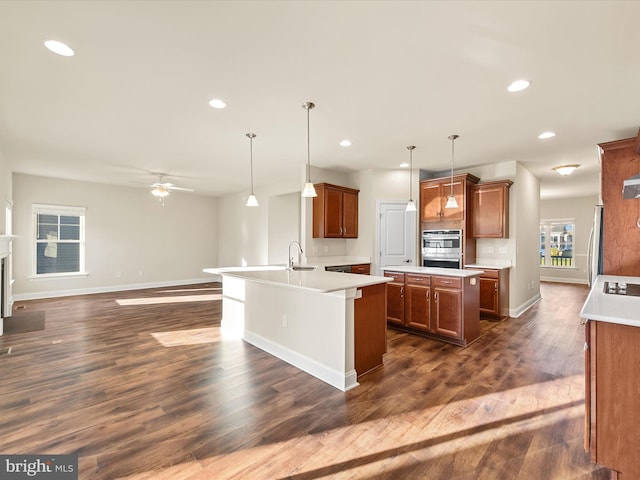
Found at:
[395, 298]
[335, 212]
[494, 291]
[612, 397]
[370, 329]
[418, 301]
[440, 307]
[447, 293]
[621, 222]
[435, 192]
[490, 209]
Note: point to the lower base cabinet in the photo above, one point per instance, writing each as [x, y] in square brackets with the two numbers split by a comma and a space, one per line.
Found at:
[612, 397]
[494, 292]
[440, 307]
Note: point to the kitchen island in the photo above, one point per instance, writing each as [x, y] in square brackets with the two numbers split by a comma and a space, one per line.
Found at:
[331, 325]
[612, 361]
[439, 303]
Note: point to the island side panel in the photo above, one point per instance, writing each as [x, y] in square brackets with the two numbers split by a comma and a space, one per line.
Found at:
[312, 331]
[370, 328]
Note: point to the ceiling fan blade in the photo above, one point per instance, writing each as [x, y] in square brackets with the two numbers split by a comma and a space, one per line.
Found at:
[172, 187]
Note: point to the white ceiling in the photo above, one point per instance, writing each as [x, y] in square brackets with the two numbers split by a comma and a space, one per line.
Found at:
[384, 74]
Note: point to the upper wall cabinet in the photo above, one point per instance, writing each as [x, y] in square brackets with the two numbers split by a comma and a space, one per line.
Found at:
[434, 194]
[490, 209]
[335, 212]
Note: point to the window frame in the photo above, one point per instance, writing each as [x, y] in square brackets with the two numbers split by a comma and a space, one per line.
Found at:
[59, 210]
[547, 224]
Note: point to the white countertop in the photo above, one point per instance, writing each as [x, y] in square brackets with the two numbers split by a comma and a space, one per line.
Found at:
[335, 261]
[612, 308]
[314, 280]
[447, 272]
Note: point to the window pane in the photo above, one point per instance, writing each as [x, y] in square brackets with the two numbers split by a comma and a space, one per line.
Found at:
[47, 225]
[69, 232]
[55, 257]
[69, 220]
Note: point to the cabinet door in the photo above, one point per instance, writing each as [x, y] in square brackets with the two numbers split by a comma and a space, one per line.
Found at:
[430, 202]
[350, 215]
[395, 303]
[363, 269]
[448, 311]
[458, 193]
[489, 294]
[418, 307]
[489, 207]
[332, 213]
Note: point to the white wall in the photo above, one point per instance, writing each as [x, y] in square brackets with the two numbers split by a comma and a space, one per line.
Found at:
[5, 191]
[580, 209]
[131, 240]
[283, 226]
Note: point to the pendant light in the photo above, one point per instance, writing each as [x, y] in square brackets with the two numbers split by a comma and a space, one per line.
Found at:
[252, 201]
[411, 207]
[451, 201]
[309, 190]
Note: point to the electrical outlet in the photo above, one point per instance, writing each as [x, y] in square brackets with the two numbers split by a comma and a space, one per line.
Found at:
[285, 321]
[503, 250]
[118, 274]
[326, 248]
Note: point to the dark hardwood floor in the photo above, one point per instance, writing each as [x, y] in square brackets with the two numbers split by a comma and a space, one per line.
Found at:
[141, 385]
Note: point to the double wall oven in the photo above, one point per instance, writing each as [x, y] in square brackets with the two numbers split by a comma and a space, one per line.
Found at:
[442, 248]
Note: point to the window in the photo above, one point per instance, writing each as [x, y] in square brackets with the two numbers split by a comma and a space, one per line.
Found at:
[556, 243]
[59, 240]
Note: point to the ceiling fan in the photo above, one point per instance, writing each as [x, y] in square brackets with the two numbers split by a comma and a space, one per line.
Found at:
[161, 189]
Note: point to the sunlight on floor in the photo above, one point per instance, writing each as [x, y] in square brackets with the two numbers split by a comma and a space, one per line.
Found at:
[197, 336]
[411, 437]
[171, 299]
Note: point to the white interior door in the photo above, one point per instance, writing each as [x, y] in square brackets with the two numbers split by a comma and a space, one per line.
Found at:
[397, 236]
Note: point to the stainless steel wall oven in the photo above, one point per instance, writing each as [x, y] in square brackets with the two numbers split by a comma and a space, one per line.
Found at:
[442, 248]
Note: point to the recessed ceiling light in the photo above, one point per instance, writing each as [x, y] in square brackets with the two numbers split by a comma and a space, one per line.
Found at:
[345, 143]
[59, 48]
[404, 165]
[518, 85]
[216, 103]
[544, 135]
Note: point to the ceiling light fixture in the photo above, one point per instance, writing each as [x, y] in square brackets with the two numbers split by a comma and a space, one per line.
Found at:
[216, 103]
[309, 190]
[59, 48]
[565, 170]
[545, 135]
[252, 201]
[518, 85]
[160, 191]
[345, 143]
[411, 207]
[451, 201]
[404, 165]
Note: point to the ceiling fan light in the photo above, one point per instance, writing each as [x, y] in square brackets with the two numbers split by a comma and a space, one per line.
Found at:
[160, 192]
[451, 202]
[565, 170]
[309, 190]
[252, 201]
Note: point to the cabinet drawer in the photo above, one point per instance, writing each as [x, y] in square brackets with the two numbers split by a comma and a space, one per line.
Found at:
[490, 274]
[451, 282]
[418, 279]
[363, 269]
[397, 277]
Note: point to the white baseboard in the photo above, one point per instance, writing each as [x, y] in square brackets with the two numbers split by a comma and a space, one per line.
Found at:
[106, 289]
[516, 312]
[341, 381]
[582, 281]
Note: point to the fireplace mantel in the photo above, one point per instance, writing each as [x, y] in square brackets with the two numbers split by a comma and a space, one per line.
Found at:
[5, 240]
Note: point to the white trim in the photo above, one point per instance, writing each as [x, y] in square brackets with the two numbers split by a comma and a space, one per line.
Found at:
[107, 289]
[582, 281]
[341, 381]
[516, 312]
[49, 276]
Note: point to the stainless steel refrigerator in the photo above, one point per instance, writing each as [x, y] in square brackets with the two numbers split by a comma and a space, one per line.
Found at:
[594, 250]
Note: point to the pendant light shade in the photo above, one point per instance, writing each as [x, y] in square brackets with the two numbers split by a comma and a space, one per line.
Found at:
[252, 201]
[411, 207]
[309, 189]
[451, 201]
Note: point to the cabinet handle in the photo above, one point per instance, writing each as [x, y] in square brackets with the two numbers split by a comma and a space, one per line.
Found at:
[401, 291]
[436, 296]
[428, 294]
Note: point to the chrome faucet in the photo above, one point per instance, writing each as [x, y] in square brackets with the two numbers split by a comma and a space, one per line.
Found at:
[290, 257]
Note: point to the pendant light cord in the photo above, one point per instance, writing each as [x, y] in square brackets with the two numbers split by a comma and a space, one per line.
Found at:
[251, 152]
[308, 150]
[453, 139]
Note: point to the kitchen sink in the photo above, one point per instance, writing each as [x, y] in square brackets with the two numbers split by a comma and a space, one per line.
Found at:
[621, 288]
